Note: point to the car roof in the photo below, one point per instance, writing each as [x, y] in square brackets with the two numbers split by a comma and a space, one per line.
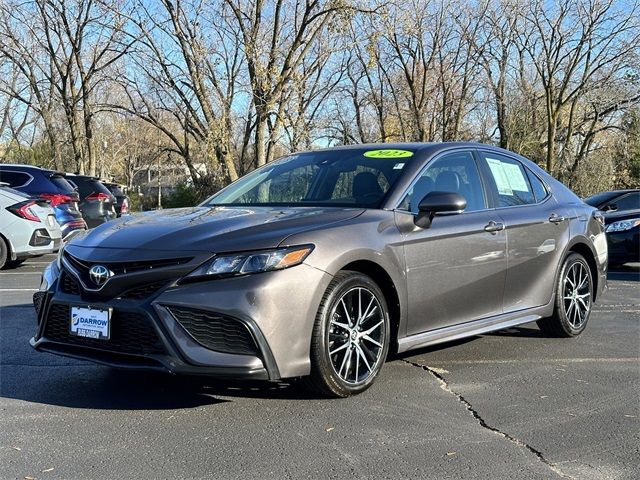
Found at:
[619, 192]
[433, 146]
[82, 177]
[20, 166]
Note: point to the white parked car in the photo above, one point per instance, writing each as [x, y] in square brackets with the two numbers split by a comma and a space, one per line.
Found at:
[28, 228]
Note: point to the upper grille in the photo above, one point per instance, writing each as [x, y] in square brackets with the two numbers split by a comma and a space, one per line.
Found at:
[144, 291]
[130, 332]
[216, 332]
[70, 285]
[118, 268]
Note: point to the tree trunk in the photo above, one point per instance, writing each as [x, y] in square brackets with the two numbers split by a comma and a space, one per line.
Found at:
[552, 126]
[261, 127]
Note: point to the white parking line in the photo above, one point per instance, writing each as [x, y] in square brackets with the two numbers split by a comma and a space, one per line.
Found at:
[18, 289]
[20, 273]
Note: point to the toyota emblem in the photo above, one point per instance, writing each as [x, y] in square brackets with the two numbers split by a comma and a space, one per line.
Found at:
[99, 274]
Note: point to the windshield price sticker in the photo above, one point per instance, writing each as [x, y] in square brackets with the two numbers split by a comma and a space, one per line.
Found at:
[388, 153]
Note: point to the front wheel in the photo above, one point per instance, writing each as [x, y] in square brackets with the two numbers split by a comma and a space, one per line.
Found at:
[350, 337]
[574, 296]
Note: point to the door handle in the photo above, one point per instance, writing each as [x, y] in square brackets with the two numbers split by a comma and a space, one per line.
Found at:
[494, 227]
[556, 218]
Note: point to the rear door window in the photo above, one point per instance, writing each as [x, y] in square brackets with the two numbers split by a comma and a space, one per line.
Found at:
[510, 179]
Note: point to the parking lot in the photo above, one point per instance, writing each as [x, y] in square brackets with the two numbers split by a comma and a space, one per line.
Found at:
[512, 404]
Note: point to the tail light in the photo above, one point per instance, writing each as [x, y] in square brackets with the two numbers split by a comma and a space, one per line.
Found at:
[58, 198]
[98, 196]
[125, 206]
[23, 210]
[599, 217]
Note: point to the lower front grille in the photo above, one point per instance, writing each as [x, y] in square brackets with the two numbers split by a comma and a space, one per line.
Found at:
[70, 285]
[38, 298]
[130, 332]
[216, 332]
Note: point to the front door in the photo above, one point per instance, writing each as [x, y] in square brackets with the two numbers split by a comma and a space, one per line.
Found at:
[456, 267]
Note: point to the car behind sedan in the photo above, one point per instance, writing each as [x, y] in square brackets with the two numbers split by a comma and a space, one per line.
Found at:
[320, 263]
[122, 199]
[622, 219]
[47, 185]
[28, 228]
[97, 204]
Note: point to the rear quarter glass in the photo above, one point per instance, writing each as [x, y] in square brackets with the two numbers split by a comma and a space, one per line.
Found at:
[61, 184]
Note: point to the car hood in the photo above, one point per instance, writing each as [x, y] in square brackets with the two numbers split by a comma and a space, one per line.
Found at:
[209, 229]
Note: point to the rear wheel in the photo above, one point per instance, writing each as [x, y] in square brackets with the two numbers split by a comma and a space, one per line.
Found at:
[4, 252]
[574, 295]
[350, 337]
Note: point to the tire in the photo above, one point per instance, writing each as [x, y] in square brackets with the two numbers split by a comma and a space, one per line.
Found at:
[572, 305]
[4, 252]
[352, 305]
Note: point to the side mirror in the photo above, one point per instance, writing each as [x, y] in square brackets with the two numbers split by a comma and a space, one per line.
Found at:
[443, 203]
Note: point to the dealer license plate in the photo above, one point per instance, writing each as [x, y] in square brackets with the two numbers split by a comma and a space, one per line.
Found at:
[90, 323]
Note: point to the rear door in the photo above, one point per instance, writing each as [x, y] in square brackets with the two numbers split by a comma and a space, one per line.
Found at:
[537, 229]
[455, 268]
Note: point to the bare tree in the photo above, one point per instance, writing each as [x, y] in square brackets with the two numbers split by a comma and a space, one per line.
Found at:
[576, 48]
[276, 39]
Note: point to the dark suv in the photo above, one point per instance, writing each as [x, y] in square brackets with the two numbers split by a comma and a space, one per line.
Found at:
[122, 199]
[622, 218]
[47, 185]
[97, 204]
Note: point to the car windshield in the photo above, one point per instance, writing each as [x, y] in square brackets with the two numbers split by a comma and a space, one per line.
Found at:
[600, 198]
[115, 189]
[353, 178]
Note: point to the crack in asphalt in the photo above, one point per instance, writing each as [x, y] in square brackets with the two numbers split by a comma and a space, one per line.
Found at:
[444, 385]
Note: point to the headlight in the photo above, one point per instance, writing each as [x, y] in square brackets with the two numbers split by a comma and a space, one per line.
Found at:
[252, 262]
[622, 225]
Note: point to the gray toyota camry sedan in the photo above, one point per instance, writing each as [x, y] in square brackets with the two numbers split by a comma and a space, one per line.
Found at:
[320, 264]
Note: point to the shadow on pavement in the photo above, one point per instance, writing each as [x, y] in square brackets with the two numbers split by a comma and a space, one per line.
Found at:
[97, 387]
[624, 275]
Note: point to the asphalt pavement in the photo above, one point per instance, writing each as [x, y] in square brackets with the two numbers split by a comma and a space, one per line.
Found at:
[512, 404]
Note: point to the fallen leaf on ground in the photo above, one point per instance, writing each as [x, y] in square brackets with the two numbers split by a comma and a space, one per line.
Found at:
[451, 453]
[47, 470]
[18, 449]
[329, 429]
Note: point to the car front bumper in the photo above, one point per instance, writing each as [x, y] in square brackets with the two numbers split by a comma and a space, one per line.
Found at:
[270, 313]
[624, 246]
